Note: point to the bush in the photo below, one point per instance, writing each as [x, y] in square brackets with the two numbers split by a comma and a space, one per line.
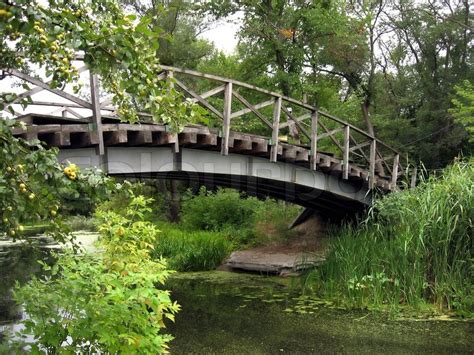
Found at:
[81, 223]
[247, 220]
[191, 250]
[414, 247]
[102, 303]
[219, 210]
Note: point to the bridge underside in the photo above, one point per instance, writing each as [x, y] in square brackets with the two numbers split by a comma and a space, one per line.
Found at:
[326, 193]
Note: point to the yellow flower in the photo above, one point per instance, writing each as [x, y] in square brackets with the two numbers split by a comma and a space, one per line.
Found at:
[4, 13]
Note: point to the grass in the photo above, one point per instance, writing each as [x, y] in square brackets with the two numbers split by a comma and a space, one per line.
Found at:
[191, 250]
[414, 248]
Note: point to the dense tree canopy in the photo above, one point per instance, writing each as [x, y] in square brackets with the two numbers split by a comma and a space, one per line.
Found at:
[388, 66]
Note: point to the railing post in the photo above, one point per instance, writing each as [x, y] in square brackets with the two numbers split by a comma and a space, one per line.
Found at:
[396, 161]
[275, 130]
[314, 139]
[96, 115]
[373, 154]
[345, 161]
[226, 116]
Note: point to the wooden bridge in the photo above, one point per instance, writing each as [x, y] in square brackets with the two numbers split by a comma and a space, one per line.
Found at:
[329, 165]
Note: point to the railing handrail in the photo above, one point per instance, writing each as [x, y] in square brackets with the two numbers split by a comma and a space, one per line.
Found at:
[275, 95]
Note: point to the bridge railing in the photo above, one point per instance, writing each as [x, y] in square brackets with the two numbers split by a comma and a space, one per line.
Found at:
[231, 101]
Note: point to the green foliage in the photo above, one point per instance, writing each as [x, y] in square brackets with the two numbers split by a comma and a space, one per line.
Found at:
[272, 220]
[247, 220]
[81, 223]
[463, 110]
[105, 303]
[219, 210]
[191, 250]
[120, 47]
[35, 187]
[414, 247]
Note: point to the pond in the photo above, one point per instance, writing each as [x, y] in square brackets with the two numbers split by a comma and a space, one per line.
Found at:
[237, 313]
[229, 313]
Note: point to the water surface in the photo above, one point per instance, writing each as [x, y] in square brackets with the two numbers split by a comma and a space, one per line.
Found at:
[228, 313]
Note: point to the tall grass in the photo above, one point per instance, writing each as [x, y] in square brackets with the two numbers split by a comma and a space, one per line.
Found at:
[191, 250]
[414, 247]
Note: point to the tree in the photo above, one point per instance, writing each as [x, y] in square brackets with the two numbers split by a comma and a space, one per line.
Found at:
[428, 58]
[179, 43]
[463, 110]
[120, 47]
[400, 60]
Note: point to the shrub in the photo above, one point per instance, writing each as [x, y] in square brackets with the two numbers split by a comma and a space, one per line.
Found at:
[191, 250]
[105, 303]
[219, 210]
[414, 247]
[247, 220]
[81, 223]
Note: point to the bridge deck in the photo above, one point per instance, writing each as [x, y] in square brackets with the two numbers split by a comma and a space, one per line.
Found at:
[68, 133]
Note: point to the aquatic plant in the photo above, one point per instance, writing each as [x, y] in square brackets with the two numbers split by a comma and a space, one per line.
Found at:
[415, 247]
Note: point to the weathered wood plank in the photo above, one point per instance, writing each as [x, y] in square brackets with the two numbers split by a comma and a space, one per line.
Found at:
[84, 139]
[275, 129]
[135, 138]
[373, 152]
[187, 138]
[396, 161]
[314, 139]
[57, 139]
[45, 86]
[205, 140]
[252, 108]
[259, 146]
[345, 161]
[199, 99]
[115, 137]
[163, 138]
[242, 144]
[296, 119]
[414, 176]
[297, 123]
[226, 118]
[289, 153]
[255, 107]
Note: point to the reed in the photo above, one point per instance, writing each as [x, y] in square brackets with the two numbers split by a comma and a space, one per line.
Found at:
[414, 247]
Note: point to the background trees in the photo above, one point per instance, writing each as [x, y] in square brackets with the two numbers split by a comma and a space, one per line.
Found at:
[388, 66]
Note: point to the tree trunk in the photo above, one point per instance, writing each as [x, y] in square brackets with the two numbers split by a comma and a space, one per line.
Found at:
[365, 106]
[174, 202]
